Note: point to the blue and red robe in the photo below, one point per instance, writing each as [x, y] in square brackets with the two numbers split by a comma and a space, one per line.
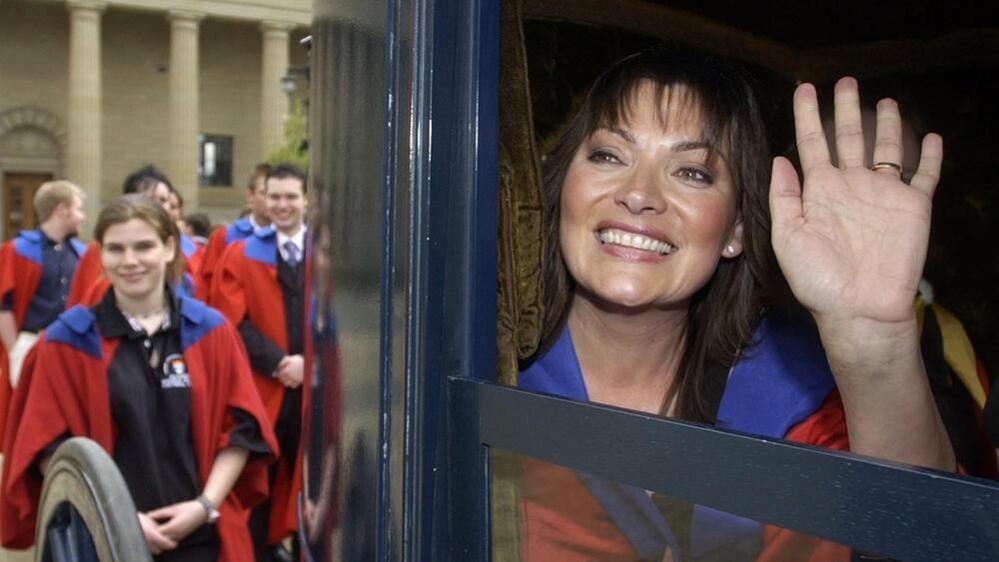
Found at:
[64, 390]
[782, 387]
[218, 241]
[89, 282]
[20, 273]
[245, 286]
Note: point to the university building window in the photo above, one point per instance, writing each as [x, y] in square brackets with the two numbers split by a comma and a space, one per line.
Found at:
[214, 160]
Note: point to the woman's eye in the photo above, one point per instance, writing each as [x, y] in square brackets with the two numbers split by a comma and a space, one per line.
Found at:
[603, 156]
[696, 175]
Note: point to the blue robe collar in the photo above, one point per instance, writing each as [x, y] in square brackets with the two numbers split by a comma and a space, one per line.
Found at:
[77, 327]
[262, 246]
[238, 230]
[187, 246]
[778, 382]
[557, 371]
[28, 245]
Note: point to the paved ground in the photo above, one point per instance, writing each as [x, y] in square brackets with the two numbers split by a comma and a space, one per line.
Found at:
[15, 556]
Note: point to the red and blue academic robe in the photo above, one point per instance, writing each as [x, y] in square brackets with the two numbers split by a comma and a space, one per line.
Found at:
[89, 282]
[20, 273]
[218, 241]
[245, 286]
[64, 390]
[781, 388]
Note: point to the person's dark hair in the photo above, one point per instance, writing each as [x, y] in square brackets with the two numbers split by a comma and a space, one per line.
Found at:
[724, 312]
[200, 224]
[285, 170]
[259, 171]
[144, 179]
[180, 199]
[142, 207]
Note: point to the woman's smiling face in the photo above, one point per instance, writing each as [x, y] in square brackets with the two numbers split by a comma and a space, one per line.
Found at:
[135, 258]
[648, 207]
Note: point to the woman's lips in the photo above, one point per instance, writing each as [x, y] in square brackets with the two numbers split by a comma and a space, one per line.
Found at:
[132, 277]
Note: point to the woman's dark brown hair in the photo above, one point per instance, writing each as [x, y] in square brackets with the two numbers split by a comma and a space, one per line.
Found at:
[142, 207]
[724, 312]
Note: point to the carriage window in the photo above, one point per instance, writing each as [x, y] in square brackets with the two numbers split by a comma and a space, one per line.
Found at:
[556, 346]
[550, 350]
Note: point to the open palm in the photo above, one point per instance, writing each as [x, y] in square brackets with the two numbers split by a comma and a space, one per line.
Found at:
[852, 241]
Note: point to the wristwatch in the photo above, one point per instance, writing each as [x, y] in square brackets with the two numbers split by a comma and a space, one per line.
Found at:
[210, 510]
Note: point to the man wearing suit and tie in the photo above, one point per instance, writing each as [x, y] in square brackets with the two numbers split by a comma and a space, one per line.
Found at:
[260, 285]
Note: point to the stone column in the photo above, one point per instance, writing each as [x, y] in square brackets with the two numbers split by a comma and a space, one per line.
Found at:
[83, 114]
[273, 100]
[185, 114]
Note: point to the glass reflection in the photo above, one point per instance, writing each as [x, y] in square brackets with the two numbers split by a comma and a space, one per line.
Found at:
[339, 512]
[572, 516]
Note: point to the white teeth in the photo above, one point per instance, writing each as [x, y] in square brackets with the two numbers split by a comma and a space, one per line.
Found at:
[636, 241]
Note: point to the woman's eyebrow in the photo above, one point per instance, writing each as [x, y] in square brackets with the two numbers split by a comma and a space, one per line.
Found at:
[685, 146]
[622, 133]
[682, 146]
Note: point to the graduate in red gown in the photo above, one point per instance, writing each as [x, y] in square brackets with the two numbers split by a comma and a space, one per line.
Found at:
[260, 285]
[221, 238]
[161, 382]
[89, 283]
[35, 269]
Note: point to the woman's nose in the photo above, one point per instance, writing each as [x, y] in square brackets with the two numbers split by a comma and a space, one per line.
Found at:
[642, 192]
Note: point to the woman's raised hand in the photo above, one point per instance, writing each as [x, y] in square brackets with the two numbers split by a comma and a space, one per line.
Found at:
[852, 241]
[852, 244]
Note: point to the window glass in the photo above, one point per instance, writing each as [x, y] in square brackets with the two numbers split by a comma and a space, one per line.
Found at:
[567, 515]
[215, 160]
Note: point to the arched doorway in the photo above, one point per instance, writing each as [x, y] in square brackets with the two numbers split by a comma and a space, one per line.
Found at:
[32, 142]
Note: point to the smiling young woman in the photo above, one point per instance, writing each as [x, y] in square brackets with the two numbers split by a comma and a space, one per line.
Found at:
[162, 383]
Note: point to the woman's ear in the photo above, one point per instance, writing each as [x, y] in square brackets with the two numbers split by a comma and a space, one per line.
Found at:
[733, 247]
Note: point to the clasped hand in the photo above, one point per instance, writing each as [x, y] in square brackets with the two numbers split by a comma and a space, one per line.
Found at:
[165, 527]
[852, 241]
[290, 371]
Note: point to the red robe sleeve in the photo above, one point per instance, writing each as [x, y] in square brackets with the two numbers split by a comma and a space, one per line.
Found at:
[62, 390]
[6, 286]
[5, 390]
[227, 292]
[193, 266]
[7, 268]
[824, 428]
[213, 254]
[89, 272]
[19, 278]
[221, 383]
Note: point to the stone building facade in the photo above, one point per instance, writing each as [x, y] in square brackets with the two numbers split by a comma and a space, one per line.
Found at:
[92, 89]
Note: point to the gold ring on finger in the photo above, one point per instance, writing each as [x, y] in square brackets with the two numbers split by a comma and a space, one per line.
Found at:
[886, 166]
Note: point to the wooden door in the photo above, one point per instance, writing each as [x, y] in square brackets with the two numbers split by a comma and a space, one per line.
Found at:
[18, 194]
